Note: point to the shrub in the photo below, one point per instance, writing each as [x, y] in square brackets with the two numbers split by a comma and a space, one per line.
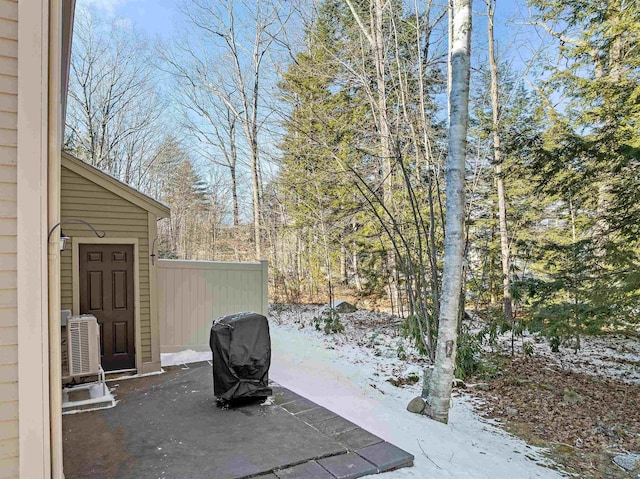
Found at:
[328, 322]
[468, 356]
[411, 329]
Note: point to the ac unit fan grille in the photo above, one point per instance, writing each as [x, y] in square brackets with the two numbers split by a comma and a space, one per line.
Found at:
[80, 348]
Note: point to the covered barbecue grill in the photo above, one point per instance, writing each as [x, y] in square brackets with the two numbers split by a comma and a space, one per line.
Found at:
[241, 348]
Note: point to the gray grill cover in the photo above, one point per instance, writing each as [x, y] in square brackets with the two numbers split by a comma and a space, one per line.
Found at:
[241, 348]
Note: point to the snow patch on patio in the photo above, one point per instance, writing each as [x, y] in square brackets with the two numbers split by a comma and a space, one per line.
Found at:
[184, 357]
[136, 376]
[99, 395]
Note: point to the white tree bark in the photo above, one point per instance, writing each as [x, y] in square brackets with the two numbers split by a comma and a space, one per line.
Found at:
[497, 159]
[442, 377]
[375, 36]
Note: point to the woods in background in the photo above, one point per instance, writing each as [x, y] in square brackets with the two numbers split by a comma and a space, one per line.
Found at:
[314, 134]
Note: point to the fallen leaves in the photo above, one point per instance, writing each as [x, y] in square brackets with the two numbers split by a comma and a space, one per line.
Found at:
[583, 418]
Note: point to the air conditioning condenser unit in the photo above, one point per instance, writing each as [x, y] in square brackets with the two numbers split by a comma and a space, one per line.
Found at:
[83, 343]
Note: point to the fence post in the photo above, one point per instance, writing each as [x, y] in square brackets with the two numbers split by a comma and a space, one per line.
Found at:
[265, 286]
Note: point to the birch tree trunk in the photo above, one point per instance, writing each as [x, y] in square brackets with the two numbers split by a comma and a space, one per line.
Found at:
[386, 146]
[497, 159]
[443, 371]
[375, 36]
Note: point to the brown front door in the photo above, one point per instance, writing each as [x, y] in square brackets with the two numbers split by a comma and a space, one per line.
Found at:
[106, 291]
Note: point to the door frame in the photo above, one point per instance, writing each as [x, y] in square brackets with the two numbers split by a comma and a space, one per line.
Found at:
[75, 278]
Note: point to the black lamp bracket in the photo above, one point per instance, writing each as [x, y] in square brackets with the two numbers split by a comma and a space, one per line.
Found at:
[99, 234]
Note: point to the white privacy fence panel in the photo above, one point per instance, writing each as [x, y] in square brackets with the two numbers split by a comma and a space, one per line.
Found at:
[191, 294]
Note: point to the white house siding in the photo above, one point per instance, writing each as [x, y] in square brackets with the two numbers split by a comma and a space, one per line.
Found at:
[8, 249]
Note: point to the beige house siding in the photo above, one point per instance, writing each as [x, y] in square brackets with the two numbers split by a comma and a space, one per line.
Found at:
[118, 218]
[8, 245]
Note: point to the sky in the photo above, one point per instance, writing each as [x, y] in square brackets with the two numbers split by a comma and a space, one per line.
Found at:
[154, 17]
[158, 18]
[516, 40]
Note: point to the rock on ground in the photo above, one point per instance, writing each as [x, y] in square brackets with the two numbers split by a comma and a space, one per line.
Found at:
[628, 462]
[342, 306]
[416, 405]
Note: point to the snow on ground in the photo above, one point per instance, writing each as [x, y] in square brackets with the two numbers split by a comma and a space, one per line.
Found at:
[346, 380]
[348, 374]
[614, 356]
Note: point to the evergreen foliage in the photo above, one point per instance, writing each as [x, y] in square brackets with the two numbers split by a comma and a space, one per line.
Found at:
[337, 196]
[587, 163]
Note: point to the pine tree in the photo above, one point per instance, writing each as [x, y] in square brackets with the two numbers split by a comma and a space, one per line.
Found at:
[380, 205]
[321, 132]
[195, 212]
[589, 161]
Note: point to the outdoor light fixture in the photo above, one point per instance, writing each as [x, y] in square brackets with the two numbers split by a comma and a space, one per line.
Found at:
[64, 238]
[153, 251]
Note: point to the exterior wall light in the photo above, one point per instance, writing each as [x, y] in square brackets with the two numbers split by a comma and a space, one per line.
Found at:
[63, 240]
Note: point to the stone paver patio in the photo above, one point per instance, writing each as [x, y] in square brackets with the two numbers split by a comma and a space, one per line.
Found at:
[168, 426]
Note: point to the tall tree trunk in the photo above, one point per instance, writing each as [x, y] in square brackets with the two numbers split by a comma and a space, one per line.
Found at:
[497, 158]
[232, 169]
[444, 368]
[375, 37]
[234, 194]
[343, 264]
[256, 200]
[255, 165]
[432, 247]
[298, 258]
[386, 144]
[356, 272]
